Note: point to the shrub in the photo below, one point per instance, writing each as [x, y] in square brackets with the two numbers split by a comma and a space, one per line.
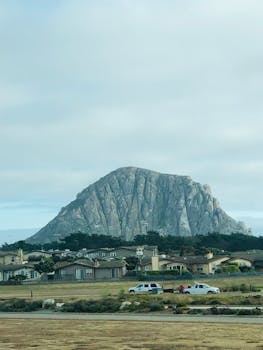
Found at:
[155, 307]
[17, 305]
[253, 312]
[104, 305]
[222, 311]
[181, 310]
[244, 288]
[163, 273]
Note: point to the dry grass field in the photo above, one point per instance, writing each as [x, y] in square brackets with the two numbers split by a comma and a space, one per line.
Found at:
[100, 289]
[115, 335]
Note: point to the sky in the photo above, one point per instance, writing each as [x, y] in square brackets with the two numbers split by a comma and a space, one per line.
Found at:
[87, 87]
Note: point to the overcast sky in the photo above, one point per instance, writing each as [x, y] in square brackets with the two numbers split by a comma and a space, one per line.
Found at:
[90, 86]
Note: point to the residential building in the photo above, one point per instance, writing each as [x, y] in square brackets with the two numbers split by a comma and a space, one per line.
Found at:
[87, 270]
[7, 258]
[11, 271]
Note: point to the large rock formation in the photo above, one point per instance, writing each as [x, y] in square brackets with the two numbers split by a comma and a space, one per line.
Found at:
[130, 201]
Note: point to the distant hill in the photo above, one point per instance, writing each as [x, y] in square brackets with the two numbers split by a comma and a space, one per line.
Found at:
[130, 201]
[13, 235]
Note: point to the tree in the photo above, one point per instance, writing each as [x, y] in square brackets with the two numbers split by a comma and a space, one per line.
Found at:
[132, 262]
[45, 265]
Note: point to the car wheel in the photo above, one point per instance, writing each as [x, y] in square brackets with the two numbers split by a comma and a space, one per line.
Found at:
[132, 291]
[209, 292]
[187, 293]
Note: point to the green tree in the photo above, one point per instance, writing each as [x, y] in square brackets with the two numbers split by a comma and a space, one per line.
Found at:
[45, 265]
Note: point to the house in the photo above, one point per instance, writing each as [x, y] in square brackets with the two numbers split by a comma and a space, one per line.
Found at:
[157, 263]
[175, 264]
[25, 271]
[142, 251]
[113, 269]
[36, 255]
[87, 270]
[7, 258]
[195, 264]
[254, 256]
[120, 252]
[240, 262]
[99, 253]
[204, 264]
[77, 270]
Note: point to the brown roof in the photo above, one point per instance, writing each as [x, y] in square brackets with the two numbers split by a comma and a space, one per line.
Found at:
[111, 264]
[91, 264]
[253, 256]
[13, 267]
[2, 253]
[82, 262]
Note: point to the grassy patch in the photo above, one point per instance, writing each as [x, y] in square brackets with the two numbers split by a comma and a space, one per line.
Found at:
[117, 335]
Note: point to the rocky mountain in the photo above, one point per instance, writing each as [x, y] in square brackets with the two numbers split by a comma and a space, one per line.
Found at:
[130, 201]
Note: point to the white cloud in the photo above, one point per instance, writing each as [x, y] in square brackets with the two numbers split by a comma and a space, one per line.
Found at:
[87, 87]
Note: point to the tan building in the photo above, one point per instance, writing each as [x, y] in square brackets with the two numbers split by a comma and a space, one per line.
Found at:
[195, 264]
[241, 262]
[7, 258]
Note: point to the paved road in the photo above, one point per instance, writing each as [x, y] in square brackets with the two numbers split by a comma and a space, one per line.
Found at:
[131, 317]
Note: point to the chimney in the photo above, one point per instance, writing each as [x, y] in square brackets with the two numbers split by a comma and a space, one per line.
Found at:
[96, 263]
[155, 263]
[209, 255]
[20, 256]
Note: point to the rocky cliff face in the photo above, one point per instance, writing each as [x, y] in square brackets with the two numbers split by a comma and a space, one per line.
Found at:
[130, 201]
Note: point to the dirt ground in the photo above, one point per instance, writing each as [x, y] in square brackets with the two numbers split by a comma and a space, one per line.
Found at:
[126, 335]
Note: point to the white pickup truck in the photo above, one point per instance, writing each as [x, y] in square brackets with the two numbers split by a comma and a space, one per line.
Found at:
[201, 288]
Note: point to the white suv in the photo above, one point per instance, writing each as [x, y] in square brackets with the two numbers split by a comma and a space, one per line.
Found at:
[145, 287]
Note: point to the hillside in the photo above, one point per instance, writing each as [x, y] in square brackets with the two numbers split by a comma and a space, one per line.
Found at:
[129, 201]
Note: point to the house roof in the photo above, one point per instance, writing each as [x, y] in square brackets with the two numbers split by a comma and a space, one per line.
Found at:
[135, 247]
[195, 260]
[255, 255]
[234, 258]
[98, 250]
[38, 251]
[13, 267]
[3, 253]
[111, 264]
[91, 264]
[82, 262]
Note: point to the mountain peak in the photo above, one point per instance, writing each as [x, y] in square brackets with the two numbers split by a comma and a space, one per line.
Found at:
[130, 200]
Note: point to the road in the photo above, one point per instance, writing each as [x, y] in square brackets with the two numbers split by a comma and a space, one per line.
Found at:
[49, 315]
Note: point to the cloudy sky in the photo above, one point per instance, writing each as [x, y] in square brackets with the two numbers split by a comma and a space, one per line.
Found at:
[90, 86]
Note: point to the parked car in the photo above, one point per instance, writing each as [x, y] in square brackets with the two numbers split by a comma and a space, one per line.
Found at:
[145, 287]
[201, 288]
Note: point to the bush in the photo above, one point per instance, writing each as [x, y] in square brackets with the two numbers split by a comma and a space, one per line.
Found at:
[244, 288]
[163, 273]
[155, 307]
[104, 305]
[17, 305]
[250, 312]
[222, 311]
[181, 310]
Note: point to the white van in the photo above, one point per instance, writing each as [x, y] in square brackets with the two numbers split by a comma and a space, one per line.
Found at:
[145, 287]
